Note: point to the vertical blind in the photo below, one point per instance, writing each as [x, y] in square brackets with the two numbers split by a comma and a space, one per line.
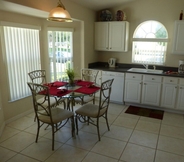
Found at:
[22, 49]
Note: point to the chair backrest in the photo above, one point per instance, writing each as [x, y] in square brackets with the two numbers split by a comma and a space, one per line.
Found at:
[105, 93]
[89, 74]
[38, 76]
[40, 91]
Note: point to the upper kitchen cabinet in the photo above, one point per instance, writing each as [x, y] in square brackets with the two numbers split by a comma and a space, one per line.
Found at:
[112, 36]
[178, 39]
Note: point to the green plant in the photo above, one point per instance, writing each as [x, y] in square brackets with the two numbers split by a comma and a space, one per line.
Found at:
[71, 75]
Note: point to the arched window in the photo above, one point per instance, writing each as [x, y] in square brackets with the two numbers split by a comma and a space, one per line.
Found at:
[150, 43]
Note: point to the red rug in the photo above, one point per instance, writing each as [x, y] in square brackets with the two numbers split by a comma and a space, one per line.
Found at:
[157, 114]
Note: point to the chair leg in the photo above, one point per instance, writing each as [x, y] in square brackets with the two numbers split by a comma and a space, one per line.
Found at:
[38, 130]
[52, 137]
[73, 126]
[76, 123]
[107, 121]
[97, 125]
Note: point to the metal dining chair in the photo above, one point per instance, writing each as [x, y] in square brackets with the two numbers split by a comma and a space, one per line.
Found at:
[39, 77]
[88, 112]
[88, 75]
[54, 116]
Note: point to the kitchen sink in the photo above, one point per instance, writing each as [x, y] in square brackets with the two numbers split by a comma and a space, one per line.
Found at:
[140, 70]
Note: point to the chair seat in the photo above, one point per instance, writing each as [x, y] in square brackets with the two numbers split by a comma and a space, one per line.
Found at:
[45, 104]
[57, 115]
[90, 110]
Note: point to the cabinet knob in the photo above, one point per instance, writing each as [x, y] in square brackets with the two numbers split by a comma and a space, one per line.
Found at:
[170, 80]
[153, 78]
[144, 83]
[133, 76]
[180, 87]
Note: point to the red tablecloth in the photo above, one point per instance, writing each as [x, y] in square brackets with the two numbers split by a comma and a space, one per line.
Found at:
[56, 84]
[83, 83]
[87, 90]
[58, 92]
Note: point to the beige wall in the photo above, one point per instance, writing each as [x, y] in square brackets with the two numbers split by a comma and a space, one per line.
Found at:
[83, 42]
[164, 11]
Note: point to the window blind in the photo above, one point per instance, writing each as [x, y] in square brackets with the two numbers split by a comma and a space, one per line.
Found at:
[22, 51]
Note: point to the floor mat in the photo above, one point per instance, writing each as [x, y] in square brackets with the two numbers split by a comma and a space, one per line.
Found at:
[147, 112]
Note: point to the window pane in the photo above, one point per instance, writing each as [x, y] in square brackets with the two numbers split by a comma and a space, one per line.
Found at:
[150, 43]
[60, 53]
[149, 52]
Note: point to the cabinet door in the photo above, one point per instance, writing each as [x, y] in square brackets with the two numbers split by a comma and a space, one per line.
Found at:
[132, 91]
[168, 95]
[151, 93]
[117, 36]
[102, 36]
[178, 40]
[180, 101]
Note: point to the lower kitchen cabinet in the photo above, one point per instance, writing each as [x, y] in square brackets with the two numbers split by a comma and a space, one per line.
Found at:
[151, 90]
[169, 92]
[133, 85]
[180, 98]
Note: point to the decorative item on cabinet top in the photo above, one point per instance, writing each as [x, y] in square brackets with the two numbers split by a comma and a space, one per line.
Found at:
[120, 15]
[105, 15]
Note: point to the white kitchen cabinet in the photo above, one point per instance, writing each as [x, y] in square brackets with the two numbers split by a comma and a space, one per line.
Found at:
[178, 38]
[133, 85]
[151, 90]
[111, 36]
[169, 92]
[180, 98]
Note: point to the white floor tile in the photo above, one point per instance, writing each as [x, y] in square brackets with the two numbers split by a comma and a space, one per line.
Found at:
[67, 153]
[144, 139]
[109, 147]
[171, 145]
[136, 153]
[131, 138]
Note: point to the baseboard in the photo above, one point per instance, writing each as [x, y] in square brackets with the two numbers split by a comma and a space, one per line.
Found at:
[18, 116]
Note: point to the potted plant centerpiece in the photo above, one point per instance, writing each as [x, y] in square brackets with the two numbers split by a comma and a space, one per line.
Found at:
[71, 76]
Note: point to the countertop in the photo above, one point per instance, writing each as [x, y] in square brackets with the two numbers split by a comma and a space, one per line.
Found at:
[167, 71]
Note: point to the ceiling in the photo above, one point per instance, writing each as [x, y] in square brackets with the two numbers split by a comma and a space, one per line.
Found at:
[100, 4]
[95, 5]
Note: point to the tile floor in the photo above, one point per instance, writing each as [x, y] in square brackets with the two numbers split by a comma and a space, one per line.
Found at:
[131, 139]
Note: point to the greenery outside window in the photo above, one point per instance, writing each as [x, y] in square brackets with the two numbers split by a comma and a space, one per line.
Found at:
[150, 43]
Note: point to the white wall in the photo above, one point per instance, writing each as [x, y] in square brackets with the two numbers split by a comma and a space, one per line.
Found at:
[164, 11]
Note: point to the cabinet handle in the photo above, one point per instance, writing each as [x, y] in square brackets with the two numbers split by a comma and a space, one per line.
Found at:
[175, 87]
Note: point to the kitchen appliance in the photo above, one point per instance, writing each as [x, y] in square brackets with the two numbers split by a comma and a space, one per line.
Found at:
[181, 67]
[112, 62]
[117, 85]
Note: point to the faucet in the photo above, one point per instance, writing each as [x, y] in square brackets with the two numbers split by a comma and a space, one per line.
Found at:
[154, 67]
[146, 66]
